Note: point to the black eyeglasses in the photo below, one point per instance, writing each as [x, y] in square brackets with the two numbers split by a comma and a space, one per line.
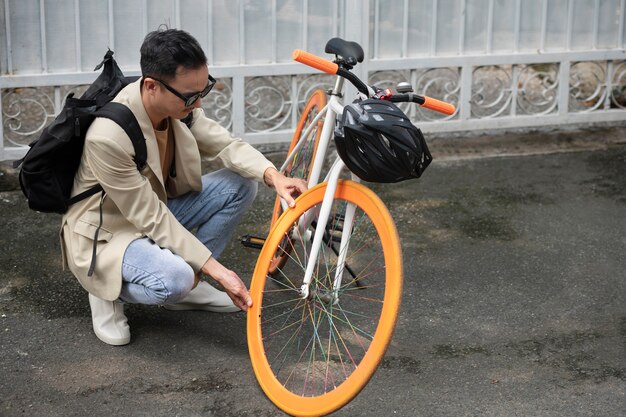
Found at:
[189, 98]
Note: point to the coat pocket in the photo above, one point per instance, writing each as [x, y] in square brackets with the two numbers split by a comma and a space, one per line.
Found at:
[88, 230]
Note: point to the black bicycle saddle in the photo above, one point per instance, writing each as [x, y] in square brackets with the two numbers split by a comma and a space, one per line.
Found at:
[351, 52]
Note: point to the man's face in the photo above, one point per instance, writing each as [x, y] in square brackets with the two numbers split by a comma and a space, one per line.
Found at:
[187, 82]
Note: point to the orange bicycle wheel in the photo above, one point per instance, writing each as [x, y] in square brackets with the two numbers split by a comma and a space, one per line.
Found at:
[312, 356]
[302, 162]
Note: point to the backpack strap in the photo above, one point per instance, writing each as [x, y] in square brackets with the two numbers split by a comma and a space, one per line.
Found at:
[78, 197]
[124, 117]
[92, 265]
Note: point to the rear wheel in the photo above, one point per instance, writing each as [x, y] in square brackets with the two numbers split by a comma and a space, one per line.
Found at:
[302, 162]
[312, 356]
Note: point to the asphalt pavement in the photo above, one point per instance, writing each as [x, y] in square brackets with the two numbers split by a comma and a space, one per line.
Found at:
[514, 300]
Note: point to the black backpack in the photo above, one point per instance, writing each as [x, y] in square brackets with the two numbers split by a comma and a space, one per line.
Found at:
[49, 166]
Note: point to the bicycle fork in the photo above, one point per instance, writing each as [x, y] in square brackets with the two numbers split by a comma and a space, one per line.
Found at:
[318, 238]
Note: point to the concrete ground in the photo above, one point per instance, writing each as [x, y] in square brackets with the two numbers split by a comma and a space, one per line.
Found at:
[514, 301]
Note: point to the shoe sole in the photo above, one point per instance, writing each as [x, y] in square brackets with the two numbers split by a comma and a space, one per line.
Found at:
[111, 341]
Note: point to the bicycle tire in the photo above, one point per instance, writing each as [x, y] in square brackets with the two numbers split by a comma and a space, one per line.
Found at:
[302, 162]
[352, 334]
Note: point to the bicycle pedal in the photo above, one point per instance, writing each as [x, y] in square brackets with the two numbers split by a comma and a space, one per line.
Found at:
[253, 242]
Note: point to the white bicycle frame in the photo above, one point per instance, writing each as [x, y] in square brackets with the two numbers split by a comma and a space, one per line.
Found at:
[332, 109]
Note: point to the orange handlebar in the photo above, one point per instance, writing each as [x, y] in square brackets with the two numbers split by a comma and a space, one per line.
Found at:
[315, 61]
[330, 67]
[438, 105]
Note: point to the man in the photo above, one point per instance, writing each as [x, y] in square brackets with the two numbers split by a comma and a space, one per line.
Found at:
[145, 252]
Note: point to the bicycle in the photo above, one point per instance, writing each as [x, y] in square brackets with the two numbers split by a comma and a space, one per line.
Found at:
[327, 284]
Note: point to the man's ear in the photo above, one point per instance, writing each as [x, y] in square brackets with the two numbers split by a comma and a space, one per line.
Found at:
[149, 85]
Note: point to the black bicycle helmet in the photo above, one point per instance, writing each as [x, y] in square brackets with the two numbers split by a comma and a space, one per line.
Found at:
[378, 142]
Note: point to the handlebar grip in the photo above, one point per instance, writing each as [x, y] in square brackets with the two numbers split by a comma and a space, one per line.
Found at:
[438, 105]
[315, 61]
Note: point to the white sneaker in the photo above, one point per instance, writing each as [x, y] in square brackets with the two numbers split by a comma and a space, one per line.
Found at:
[206, 298]
[109, 322]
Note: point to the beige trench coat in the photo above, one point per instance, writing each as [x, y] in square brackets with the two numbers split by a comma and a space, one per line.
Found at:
[135, 202]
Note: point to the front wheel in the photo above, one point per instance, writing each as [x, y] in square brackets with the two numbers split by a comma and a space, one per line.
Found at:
[312, 356]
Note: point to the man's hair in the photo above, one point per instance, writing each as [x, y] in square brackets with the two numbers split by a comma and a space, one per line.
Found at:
[164, 50]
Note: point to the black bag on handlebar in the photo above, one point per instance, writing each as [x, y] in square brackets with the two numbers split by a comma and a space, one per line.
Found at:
[378, 142]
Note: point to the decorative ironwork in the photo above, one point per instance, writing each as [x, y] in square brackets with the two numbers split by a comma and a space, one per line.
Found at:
[491, 91]
[218, 105]
[537, 87]
[25, 113]
[439, 83]
[587, 86]
[591, 89]
[268, 103]
[618, 83]
[594, 86]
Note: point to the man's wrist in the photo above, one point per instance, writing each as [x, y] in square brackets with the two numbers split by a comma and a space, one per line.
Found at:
[268, 176]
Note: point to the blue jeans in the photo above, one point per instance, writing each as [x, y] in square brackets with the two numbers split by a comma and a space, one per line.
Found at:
[153, 275]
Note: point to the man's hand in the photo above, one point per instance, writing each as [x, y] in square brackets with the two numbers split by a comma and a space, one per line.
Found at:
[286, 187]
[235, 288]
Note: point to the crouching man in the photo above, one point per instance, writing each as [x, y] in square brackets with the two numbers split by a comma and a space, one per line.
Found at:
[145, 250]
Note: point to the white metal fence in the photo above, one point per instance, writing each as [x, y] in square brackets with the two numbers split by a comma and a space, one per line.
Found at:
[504, 63]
